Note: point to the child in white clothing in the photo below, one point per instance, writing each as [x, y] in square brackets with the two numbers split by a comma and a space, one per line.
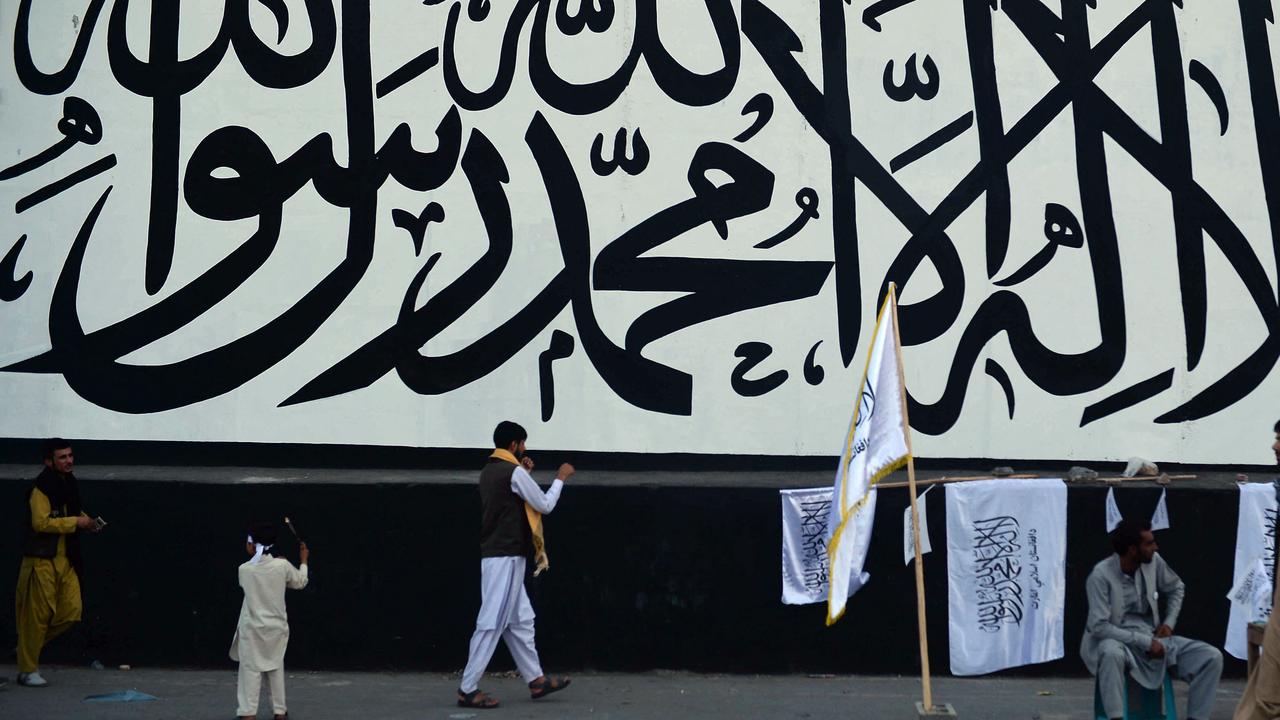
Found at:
[263, 632]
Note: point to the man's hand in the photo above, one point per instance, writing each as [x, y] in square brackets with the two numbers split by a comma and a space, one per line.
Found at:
[84, 522]
[1156, 650]
[527, 463]
[566, 472]
[303, 552]
[1164, 631]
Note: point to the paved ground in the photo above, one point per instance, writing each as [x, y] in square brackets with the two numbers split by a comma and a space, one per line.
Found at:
[200, 694]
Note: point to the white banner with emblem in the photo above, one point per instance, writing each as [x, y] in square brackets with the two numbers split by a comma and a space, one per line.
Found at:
[804, 545]
[1006, 570]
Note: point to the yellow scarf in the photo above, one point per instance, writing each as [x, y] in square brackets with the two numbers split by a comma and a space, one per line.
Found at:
[535, 522]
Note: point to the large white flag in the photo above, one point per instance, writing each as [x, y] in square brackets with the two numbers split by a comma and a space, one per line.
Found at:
[874, 446]
[1006, 573]
[1255, 540]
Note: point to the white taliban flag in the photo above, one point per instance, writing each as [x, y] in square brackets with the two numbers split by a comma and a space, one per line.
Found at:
[875, 445]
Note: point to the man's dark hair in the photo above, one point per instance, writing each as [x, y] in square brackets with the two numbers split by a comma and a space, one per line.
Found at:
[1277, 429]
[263, 532]
[1128, 534]
[508, 432]
[52, 445]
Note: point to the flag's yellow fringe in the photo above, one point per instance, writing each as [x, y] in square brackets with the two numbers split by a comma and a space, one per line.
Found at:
[857, 409]
[845, 457]
[846, 517]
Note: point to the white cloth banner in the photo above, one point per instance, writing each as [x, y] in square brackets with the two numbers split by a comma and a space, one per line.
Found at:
[1006, 572]
[908, 537]
[874, 445]
[1255, 539]
[1251, 590]
[804, 545]
[1160, 516]
[1113, 510]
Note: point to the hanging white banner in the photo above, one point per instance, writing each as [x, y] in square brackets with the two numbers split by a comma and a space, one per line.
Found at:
[1160, 516]
[1113, 510]
[1255, 538]
[1251, 590]
[908, 537]
[1006, 571]
[804, 545]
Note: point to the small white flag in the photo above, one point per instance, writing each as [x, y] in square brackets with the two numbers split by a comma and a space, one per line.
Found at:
[1252, 589]
[1113, 511]
[875, 445]
[1160, 517]
[908, 537]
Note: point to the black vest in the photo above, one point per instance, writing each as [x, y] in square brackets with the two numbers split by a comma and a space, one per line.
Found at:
[504, 528]
[64, 501]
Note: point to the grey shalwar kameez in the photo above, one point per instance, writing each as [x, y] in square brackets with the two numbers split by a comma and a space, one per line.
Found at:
[1124, 612]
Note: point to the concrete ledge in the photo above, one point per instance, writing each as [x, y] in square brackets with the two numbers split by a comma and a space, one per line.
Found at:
[587, 476]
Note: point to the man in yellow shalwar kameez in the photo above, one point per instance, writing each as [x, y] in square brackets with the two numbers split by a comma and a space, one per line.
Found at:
[48, 593]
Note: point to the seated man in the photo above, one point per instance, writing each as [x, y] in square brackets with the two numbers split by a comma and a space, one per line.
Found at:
[1124, 630]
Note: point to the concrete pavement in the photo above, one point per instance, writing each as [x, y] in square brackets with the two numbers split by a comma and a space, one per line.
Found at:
[660, 695]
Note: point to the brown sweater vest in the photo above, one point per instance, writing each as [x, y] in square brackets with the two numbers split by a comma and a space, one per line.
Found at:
[504, 529]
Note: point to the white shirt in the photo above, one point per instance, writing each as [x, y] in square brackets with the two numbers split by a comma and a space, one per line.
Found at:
[523, 484]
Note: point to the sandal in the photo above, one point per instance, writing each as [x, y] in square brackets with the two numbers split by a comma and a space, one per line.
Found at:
[546, 686]
[476, 700]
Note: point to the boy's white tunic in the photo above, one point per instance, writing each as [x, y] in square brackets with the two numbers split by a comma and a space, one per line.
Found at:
[263, 632]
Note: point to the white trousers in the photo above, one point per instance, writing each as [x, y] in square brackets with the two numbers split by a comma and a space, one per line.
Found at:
[249, 687]
[505, 613]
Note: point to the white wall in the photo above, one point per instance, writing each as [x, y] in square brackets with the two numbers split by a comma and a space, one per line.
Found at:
[160, 363]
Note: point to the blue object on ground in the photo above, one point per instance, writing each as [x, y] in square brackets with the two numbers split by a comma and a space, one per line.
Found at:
[1150, 704]
[126, 696]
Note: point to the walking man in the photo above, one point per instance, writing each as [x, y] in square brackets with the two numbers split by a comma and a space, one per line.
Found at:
[48, 593]
[512, 506]
[1126, 631]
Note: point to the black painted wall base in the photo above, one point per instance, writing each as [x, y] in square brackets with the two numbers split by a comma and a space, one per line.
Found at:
[641, 577]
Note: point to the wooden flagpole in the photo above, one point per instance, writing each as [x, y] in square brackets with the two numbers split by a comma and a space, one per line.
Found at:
[915, 512]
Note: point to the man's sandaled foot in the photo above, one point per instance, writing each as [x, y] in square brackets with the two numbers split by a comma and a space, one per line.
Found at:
[544, 686]
[477, 700]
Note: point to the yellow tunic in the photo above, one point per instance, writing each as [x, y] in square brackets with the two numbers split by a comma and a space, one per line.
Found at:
[1261, 700]
[47, 600]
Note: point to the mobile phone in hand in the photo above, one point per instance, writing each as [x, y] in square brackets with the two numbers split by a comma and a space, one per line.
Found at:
[99, 523]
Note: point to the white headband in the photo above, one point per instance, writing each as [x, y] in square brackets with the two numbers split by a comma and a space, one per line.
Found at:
[258, 549]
